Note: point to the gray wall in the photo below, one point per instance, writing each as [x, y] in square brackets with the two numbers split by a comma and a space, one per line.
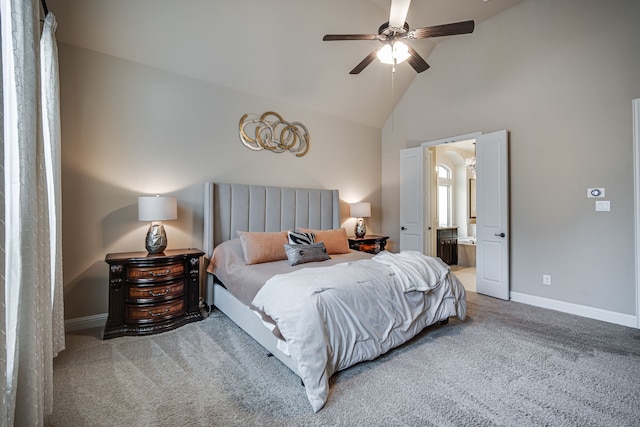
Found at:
[130, 130]
[560, 76]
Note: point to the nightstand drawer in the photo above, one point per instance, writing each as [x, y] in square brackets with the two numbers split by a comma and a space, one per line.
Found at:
[156, 312]
[370, 243]
[143, 274]
[371, 247]
[145, 294]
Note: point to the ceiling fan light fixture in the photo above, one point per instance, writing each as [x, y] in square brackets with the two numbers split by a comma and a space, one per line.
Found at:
[396, 53]
[384, 54]
[400, 52]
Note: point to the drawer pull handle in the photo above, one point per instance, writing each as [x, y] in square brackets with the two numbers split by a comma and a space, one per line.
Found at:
[154, 274]
[159, 294]
[152, 314]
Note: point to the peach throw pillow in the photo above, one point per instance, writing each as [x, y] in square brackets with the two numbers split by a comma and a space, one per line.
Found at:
[335, 241]
[263, 246]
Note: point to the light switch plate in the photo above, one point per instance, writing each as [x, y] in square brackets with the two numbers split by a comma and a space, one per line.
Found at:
[595, 192]
[603, 206]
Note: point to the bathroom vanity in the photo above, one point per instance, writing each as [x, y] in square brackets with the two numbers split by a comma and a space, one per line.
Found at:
[448, 244]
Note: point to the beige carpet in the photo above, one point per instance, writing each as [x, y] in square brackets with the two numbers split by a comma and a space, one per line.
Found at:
[508, 364]
[467, 276]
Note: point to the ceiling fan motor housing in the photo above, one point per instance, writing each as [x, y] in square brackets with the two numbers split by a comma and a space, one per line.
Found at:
[391, 33]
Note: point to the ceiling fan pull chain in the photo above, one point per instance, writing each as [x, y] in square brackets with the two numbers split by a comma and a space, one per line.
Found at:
[393, 96]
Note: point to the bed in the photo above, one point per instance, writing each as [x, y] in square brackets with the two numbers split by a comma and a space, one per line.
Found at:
[335, 307]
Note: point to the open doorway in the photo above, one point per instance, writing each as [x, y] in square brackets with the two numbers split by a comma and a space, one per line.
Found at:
[418, 225]
[454, 207]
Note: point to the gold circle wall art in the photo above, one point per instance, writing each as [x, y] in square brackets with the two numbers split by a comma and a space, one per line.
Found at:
[272, 133]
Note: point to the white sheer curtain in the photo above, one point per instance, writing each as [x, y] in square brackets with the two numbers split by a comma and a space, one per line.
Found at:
[31, 308]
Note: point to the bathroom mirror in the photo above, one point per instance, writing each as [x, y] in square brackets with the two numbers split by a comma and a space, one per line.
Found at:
[472, 200]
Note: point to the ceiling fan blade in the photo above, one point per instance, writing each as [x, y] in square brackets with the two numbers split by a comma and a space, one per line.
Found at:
[335, 37]
[366, 61]
[398, 13]
[416, 61]
[464, 27]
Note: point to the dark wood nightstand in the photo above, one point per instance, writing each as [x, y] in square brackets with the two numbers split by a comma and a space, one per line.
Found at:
[152, 293]
[369, 243]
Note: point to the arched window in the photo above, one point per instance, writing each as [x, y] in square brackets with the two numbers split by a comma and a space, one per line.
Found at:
[445, 196]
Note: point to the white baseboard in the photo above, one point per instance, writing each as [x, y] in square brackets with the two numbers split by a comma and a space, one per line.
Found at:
[87, 322]
[578, 310]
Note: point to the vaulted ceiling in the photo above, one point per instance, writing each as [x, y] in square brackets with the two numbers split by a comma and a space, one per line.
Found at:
[270, 48]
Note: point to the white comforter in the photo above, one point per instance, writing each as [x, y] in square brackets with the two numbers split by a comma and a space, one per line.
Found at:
[333, 317]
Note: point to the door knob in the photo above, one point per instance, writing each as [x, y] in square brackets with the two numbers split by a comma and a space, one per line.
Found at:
[500, 235]
[403, 228]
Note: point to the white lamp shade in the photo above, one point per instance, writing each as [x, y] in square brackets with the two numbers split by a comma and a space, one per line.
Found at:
[398, 52]
[156, 208]
[360, 210]
[385, 54]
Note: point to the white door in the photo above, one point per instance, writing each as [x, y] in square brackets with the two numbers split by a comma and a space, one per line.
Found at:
[430, 204]
[636, 198]
[411, 199]
[492, 198]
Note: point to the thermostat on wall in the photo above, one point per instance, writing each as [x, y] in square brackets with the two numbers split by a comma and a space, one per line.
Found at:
[595, 192]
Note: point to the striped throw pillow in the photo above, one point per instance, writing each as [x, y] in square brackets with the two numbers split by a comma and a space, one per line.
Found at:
[300, 238]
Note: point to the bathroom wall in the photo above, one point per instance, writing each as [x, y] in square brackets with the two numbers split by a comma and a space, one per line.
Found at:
[454, 156]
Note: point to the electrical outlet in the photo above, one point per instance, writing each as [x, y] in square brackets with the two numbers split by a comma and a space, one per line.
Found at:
[546, 279]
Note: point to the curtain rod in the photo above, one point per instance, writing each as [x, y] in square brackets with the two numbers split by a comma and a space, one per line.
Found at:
[44, 6]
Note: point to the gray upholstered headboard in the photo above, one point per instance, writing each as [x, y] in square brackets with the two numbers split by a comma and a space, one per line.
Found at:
[232, 207]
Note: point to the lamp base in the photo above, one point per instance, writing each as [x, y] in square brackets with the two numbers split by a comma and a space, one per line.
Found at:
[361, 229]
[156, 241]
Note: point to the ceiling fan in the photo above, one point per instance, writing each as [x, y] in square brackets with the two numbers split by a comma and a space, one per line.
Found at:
[391, 34]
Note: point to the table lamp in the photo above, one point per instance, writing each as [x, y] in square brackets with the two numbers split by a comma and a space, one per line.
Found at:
[360, 210]
[156, 209]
